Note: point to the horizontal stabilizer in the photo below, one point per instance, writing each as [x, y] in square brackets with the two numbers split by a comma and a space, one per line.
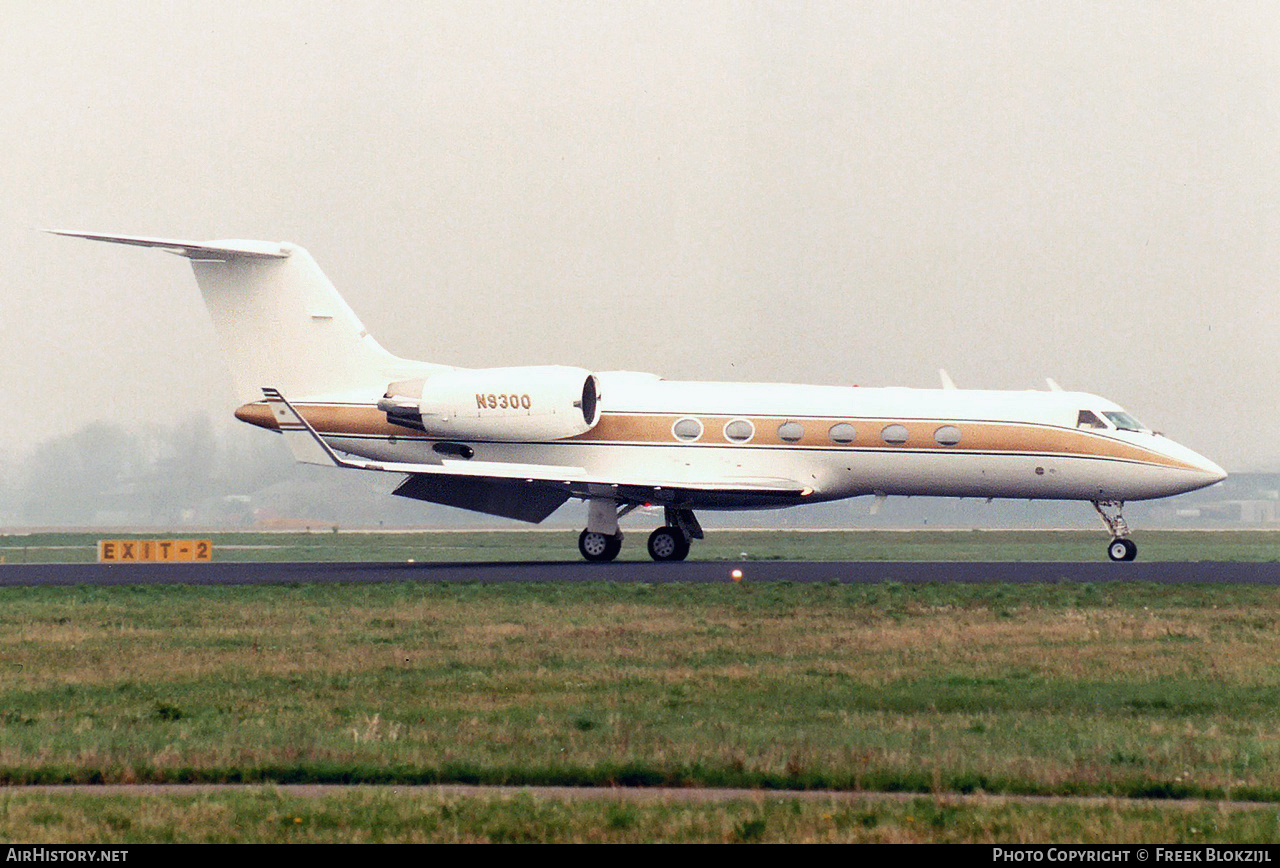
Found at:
[202, 250]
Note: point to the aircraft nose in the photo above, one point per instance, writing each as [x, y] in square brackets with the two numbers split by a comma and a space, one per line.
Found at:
[1213, 471]
[1207, 472]
[1193, 470]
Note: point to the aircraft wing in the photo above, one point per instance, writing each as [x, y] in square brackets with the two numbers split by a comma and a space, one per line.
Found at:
[477, 477]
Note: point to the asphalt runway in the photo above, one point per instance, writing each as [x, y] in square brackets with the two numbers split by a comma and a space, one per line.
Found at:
[845, 572]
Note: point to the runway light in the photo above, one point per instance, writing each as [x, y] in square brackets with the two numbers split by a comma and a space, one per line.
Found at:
[736, 575]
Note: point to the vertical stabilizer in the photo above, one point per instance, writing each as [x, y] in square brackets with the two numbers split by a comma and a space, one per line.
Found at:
[280, 321]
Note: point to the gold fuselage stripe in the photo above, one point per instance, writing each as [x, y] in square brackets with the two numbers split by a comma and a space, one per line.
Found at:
[654, 429]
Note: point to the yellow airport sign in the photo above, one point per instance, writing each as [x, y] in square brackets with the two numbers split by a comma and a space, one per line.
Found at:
[152, 551]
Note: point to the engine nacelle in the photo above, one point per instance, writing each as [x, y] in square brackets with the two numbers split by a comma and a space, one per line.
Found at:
[506, 404]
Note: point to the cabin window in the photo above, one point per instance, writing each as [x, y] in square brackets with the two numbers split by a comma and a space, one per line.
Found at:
[947, 435]
[894, 435]
[1124, 421]
[843, 433]
[739, 431]
[791, 431]
[687, 429]
[1087, 419]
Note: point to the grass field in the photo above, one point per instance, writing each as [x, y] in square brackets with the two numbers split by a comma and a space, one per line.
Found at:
[519, 546]
[1116, 690]
[388, 815]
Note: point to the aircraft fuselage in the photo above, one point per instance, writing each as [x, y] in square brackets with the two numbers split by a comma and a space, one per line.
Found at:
[837, 441]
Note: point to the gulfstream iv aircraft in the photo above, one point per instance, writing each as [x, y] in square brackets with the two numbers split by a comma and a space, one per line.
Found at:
[521, 441]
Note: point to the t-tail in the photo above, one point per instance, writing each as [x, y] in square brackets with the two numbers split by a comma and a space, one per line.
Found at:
[281, 322]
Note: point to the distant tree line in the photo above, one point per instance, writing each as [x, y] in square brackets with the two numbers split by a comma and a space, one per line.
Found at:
[192, 473]
[106, 473]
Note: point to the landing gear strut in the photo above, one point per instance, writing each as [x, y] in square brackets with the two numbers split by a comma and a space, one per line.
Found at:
[602, 540]
[1121, 548]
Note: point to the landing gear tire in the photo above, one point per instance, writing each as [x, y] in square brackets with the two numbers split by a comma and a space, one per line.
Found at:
[1122, 550]
[668, 544]
[599, 547]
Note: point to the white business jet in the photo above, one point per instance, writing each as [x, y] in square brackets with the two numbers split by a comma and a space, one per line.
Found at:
[520, 441]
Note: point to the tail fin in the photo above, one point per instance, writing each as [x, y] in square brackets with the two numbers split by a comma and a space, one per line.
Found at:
[280, 321]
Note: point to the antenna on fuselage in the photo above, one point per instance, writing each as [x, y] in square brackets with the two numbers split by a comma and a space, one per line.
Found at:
[946, 380]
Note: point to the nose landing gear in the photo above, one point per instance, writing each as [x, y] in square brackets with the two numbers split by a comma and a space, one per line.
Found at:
[1121, 548]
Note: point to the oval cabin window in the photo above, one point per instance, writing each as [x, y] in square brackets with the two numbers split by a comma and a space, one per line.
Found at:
[843, 433]
[687, 429]
[739, 431]
[791, 431]
[894, 435]
[947, 435]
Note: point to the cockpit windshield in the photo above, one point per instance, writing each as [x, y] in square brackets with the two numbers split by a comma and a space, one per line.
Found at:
[1124, 421]
[1118, 419]
[1089, 419]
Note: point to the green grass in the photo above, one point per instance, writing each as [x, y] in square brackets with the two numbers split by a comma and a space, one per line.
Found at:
[385, 815]
[1124, 690]
[519, 546]
[1116, 690]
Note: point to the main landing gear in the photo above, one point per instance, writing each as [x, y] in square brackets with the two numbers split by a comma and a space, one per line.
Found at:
[668, 544]
[602, 540]
[1121, 548]
[598, 546]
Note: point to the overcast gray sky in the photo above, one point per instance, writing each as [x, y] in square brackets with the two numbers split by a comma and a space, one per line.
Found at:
[803, 192]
